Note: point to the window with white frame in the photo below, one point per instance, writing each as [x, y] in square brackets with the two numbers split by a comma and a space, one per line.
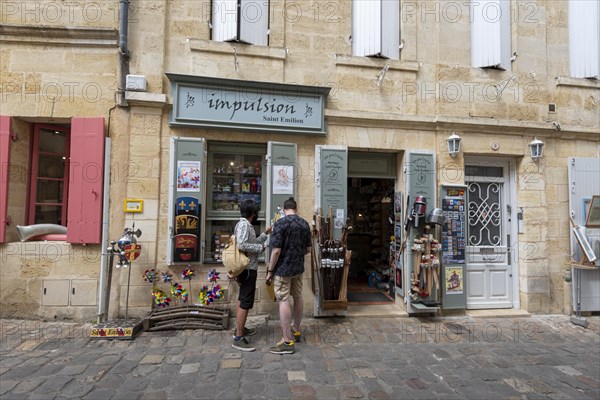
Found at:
[376, 28]
[245, 21]
[584, 31]
[490, 34]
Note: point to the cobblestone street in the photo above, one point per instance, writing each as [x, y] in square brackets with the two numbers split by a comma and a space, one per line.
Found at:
[540, 357]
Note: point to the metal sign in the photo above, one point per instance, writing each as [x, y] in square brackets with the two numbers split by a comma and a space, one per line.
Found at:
[247, 105]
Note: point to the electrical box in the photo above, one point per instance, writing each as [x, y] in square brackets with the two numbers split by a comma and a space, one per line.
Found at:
[55, 292]
[136, 83]
[84, 292]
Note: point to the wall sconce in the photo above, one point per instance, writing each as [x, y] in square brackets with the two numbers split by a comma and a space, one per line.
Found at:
[453, 144]
[536, 148]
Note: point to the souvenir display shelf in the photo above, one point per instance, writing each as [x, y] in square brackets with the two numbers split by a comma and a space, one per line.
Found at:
[232, 178]
[217, 236]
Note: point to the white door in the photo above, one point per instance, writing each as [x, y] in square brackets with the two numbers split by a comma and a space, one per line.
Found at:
[489, 273]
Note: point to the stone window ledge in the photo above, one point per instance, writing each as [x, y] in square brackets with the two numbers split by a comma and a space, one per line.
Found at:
[577, 82]
[48, 35]
[376, 63]
[241, 49]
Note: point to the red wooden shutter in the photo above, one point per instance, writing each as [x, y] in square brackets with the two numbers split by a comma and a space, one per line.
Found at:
[5, 125]
[86, 173]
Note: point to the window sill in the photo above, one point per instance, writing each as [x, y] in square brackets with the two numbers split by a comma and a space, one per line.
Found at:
[376, 63]
[51, 237]
[241, 49]
[577, 82]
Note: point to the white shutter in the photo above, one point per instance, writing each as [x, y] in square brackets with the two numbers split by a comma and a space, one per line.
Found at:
[366, 27]
[584, 30]
[254, 22]
[224, 20]
[490, 34]
[390, 29]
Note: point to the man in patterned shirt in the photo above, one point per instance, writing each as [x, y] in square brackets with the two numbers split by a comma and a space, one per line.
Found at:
[290, 241]
[252, 246]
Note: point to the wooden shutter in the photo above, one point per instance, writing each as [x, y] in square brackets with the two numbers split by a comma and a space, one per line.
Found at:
[366, 27]
[86, 173]
[5, 128]
[490, 34]
[376, 28]
[584, 33]
[390, 29]
[224, 20]
[254, 22]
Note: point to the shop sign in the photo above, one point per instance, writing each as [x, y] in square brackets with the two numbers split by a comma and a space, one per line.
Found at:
[247, 105]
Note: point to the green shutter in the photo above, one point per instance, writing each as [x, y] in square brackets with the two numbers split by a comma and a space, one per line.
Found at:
[282, 176]
[187, 192]
[332, 183]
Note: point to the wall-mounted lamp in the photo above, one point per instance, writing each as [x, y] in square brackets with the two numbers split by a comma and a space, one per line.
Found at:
[536, 148]
[453, 144]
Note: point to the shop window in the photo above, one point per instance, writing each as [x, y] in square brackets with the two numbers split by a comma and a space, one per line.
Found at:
[49, 175]
[584, 33]
[490, 34]
[235, 173]
[245, 21]
[376, 28]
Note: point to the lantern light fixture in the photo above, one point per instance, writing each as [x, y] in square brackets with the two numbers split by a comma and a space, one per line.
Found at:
[536, 148]
[453, 144]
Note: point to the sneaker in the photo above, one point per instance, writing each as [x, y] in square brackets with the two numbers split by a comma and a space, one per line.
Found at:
[249, 331]
[243, 345]
[283, 348]
[297, 335]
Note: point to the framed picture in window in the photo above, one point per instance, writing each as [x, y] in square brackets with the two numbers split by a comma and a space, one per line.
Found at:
[593, 213]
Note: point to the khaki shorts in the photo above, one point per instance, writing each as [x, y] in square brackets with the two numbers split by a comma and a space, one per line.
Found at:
[286, 286]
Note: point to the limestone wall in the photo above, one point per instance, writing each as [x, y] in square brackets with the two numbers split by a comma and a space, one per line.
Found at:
[51, 75]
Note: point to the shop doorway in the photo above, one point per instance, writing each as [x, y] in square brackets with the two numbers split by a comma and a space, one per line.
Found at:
[489, 214]
[371, 214]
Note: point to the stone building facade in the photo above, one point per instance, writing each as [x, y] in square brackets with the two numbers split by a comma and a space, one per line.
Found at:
[375, 105]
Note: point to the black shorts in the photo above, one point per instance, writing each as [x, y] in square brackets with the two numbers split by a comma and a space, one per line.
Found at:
[247, 281]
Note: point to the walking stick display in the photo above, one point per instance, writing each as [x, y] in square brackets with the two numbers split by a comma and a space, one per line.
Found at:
[330, 257]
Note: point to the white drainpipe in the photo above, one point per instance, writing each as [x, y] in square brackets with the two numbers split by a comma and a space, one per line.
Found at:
[102, 293]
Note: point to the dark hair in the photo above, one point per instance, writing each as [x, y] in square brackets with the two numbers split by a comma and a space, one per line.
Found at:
[290, 204]
[249, 208]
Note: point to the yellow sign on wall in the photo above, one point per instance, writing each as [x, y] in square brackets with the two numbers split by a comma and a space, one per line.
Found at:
[134, 205]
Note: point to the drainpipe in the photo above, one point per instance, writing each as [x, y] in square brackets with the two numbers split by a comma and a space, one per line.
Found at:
[104, 267]
[123, 50]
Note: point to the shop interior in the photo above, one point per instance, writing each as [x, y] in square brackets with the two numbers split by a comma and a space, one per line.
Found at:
[371, 214]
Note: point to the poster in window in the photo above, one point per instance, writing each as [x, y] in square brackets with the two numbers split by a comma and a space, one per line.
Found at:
[454, 280]
[283, 179]
[188, 176]
[399, 284]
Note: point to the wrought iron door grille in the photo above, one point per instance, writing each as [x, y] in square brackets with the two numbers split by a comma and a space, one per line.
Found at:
[485, 214]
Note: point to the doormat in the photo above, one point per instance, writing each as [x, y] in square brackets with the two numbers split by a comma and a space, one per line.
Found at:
[367, 297]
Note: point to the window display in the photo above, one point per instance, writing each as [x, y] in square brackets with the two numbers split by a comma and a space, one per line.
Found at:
[235, 173]
[235, 178]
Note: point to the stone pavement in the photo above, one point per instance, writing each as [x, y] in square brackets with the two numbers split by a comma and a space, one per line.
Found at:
[541, 357]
